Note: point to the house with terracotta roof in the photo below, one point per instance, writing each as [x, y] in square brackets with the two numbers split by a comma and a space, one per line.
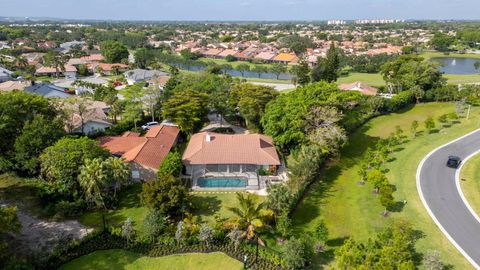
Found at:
[68, 71]
[360, 87]
[265, 56]
[93, 58]
[226, 53]
[145, 154]
[212, 53]
[286, 58]
[214, 160]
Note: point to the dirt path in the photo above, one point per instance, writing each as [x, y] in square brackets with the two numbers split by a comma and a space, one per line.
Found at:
[40, 236]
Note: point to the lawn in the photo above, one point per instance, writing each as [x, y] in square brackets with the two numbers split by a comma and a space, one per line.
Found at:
[351, 210]
[207, 205]
[129, 206]
[120, 259]
[215, 203]
[433, 54]
[373, 79]
[470, 182]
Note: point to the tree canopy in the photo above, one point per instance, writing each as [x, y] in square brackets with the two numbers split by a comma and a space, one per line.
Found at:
[113, 51]
[61, 162]
[407, 71]
[251, 101]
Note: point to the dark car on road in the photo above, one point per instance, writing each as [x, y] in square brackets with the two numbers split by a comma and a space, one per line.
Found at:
[453, 161]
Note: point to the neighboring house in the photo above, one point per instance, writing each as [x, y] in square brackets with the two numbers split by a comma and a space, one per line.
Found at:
[160, 81]
[265, 56]
[107, 68]
[5, 74]
[227, 52]
[145, 154]
[140, 75]
[212, 159]
[91, 120]
[93, 58]
[47, 90]
[70, 72]
[360, 87]
[286, 58]
[67, 46]
[212, 53]
[14, 85]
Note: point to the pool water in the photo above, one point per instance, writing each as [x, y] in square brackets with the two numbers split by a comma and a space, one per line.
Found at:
[221, 182]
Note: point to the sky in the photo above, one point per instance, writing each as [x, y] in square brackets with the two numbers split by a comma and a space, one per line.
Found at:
[249, 10]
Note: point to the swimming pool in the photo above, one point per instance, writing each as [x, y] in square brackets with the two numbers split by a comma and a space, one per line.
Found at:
[221, 182]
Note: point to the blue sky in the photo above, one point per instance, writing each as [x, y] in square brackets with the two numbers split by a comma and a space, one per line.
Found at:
[242, 9]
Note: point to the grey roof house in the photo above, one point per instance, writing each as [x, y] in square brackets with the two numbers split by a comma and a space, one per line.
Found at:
[47, 90]
[140, 75]
[5, 74]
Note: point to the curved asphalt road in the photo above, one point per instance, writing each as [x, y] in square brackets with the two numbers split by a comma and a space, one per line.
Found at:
[438, 190]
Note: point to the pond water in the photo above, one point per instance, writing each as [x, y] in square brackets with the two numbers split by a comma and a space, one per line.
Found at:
[236, 73]
[455, 65]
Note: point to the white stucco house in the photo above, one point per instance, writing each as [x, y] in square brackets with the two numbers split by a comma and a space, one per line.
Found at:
[139, 75]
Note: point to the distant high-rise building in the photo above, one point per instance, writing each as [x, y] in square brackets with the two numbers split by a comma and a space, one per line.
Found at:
[382, 21]
[336, 22]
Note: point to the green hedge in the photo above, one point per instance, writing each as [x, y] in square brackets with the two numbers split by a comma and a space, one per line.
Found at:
[104, 240]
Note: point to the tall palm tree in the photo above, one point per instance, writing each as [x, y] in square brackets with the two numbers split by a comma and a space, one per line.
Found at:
[93, 179]
[118, 172]
[249, 214]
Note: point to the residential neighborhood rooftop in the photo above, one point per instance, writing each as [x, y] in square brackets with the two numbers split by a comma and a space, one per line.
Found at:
[215, 148]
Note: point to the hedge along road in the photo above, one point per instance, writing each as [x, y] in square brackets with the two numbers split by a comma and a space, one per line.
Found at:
[440, 193]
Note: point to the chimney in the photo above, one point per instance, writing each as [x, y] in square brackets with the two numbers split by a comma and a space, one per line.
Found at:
[208, 138]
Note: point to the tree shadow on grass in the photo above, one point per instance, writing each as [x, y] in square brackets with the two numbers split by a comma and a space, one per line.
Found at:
[336, 242]
[397, 207]
[206, 205]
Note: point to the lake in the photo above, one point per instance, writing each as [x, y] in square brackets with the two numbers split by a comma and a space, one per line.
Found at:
[236, 73]
[454, 65]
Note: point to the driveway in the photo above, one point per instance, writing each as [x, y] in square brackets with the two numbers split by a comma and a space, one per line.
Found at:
[217, 121]
[440, 192]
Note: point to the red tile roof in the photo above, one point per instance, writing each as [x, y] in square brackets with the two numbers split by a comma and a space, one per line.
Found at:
[214, 148]
[148, 151]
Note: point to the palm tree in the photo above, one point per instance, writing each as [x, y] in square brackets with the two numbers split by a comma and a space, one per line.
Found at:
[92, 179]
[249, 214]
[118, 173]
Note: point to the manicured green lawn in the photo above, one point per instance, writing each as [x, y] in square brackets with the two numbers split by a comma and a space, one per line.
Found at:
[215, 203]
[129, 207]
[431, 54]
[120, 259]
[470, 182]
[460, 79]
[373, 79]
[351, 210]
[207, 205]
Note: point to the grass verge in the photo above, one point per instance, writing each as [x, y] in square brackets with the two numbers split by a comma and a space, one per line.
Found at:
[120, 259]
[470, 182]
[351, 210]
